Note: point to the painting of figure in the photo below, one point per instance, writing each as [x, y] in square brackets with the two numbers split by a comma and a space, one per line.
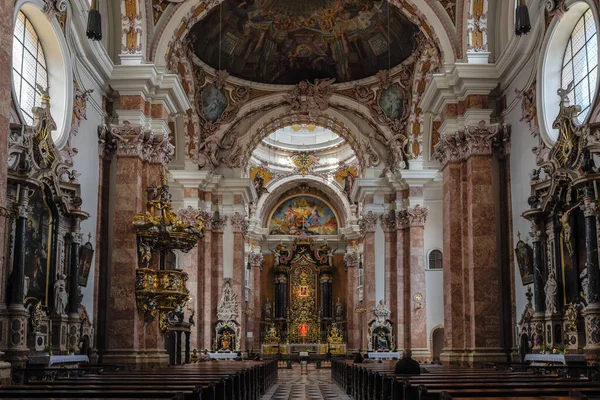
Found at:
[214, 103]
[391, 102]
[86, 254]
[37, 243]
[303, 214]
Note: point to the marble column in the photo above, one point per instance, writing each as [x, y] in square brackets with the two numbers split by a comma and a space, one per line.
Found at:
[240, 227]
[417, 295]
[538, 270]
[400, 299]
[326, 295]
[73, 307]
[351, 301]
[388, 223]
[205, 314]
[482, 263]
[137, 156]
[592, 312]
[216, 268]
[17, 350]
[16, 294]
[280, 283]
[454, 323]
[591, 245]
[369, 224]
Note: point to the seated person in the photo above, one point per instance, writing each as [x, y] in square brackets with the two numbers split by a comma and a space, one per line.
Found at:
[407, 366]
[358, 359]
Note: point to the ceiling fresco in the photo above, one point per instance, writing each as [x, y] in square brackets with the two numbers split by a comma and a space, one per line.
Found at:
[288, 41]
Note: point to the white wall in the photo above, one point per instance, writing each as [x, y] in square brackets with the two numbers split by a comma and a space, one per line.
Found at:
[434, 239]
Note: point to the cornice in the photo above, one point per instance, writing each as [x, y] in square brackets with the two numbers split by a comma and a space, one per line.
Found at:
[458, 82]
[153, 84]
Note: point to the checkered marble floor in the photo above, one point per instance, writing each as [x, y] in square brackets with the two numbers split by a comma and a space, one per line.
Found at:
[314, 384]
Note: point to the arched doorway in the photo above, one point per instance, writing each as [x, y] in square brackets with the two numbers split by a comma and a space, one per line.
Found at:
[437, 344]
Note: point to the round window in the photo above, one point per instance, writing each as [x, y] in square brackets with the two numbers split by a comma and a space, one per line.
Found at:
[30, 74]
[580, 64]
[570, 59]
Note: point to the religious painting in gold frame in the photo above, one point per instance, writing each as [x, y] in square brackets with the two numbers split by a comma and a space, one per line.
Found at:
[37, 247]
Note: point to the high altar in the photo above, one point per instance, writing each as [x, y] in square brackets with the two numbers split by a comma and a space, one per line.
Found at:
[302, 316]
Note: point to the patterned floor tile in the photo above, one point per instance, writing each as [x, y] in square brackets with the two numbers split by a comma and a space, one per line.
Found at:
[312, 384]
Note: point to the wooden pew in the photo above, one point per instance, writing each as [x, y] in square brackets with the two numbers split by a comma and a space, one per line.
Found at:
[211, 380]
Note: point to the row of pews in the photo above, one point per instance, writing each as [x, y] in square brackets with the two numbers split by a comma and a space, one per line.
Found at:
[376, 381]
[219, 380]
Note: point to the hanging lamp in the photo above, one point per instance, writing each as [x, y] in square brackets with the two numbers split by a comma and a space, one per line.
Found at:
[522, 22]
[94, 24]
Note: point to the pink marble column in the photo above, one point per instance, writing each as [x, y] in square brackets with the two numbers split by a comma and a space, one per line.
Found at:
[208, 296]
[453, 269]
[401, 275]
[369, 224]
[484, 290]
[353, 333]
[390, 267]
[193, 284]
[216, 268]
[240, 226]
[418, 309]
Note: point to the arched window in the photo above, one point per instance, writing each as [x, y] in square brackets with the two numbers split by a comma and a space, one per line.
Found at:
[580, 64]
[435, 259]
[29, 67]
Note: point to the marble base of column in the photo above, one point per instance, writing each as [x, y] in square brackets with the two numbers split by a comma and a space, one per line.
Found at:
[5, 373]
[483, 355]
[591, 316]
[452, 356]
[17, 350]
[139, 359]
[421, 355]
[538, 320]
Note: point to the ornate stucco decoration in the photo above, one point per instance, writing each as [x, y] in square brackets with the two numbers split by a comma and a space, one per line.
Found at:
[304, 162]
[388, 222]
[555, 8]
[310, 99]
[368, 222]
[239, 223]
[134, 141]
[450, 7]
[131, 27]
[54, 7]
[216, 102]
[79, 114]
[33, 156]
[479, 140]
[477, 27]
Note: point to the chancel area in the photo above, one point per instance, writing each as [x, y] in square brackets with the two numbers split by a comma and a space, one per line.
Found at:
[260, 199]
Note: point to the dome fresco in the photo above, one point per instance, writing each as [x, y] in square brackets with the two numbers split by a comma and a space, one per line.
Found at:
[285, 42]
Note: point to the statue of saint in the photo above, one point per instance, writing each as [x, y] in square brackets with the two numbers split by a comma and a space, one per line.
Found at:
[551, 290]
[339, 309]
[268, 309]
[61, 298]
[584, 282]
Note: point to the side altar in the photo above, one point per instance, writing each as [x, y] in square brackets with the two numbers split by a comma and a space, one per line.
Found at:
[303, 316]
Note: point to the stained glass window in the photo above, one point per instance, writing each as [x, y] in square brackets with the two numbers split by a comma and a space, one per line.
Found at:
[580, 64]
[29, 67]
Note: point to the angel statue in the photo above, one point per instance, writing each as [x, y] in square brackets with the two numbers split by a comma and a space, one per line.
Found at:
[397, 145]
